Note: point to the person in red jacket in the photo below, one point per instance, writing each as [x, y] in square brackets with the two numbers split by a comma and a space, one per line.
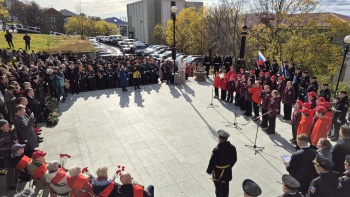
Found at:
[238, 86]
[216, 84]
[248, 99]
[305, 124]
[265, 95]
[296, 118]
[288, 100]
[321, 127]
[272, 111]
[231, 73]
[223, 87]
[230, 89]
[256, 90]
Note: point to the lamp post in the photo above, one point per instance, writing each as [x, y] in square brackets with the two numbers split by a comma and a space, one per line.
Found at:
[173, 16]
[346, 51]
[241, 60]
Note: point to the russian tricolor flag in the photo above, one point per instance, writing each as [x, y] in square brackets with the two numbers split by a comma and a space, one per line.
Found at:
[261, 59]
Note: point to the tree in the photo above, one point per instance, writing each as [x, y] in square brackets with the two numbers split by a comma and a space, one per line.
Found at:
[3, 11]
[28, 13]
[159, 34]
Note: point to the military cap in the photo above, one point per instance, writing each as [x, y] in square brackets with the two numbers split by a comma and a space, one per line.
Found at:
[323, 162]
[16, 147]
[252, 71]
[343, 92]
[273, 77]
[34, 77]
[347, 160]
[251, 188]
[223, 133]
[306, 72]
[298, 68]
[2, 122]
[267, 73]
[290, 182]
[325, 84]
[313, 77]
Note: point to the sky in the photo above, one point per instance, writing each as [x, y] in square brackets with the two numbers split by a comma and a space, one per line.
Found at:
[117, 8]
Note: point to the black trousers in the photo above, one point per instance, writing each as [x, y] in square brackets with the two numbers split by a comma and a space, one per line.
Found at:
[248, 107]
[238, 96]
[230, 97]
[294, 131]
[336, 127]
[221, 189]
[216, 91]
[10, 44]
[265, 118]
[223, 95]
[272, 124]
[256, 109]
[287, 110]
[27, 45]
[207, 68]
[216, 69]
[74, 86]
[136, 82]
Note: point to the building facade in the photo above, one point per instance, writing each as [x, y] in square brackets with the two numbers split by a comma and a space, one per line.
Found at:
[145, 14]
[122, 25]
[54, 21]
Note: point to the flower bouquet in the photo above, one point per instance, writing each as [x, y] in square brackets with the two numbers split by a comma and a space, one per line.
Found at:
[63, 159]
[86, 171]
[118, 172]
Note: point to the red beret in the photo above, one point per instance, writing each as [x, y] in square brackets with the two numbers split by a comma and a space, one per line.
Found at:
[262, 72]
[320, 109]
[325, 104]
[38, 154]
[267, 73]
[281, 78]
[322, 99]
[300, 102]
[273, 77]
[241, 69]
[307, 105]
[312, 93]
[305, 111]
[252, 71]
[239, 75]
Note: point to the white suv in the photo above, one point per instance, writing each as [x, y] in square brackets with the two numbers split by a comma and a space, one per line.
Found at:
[113, 39]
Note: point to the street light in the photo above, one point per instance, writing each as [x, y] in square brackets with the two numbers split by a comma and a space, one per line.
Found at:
[346, 51]
[173, 16]
[241, 60]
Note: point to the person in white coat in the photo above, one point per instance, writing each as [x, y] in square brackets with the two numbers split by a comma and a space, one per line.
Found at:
[182, 69]
[57, 177]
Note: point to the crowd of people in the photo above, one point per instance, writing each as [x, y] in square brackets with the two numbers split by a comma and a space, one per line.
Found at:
[28, 79]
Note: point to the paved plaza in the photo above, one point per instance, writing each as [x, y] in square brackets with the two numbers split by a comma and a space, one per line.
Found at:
[164, 136]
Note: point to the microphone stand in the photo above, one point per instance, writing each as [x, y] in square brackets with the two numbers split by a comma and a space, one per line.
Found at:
[235, 124]
[211, 105]
[256, 148]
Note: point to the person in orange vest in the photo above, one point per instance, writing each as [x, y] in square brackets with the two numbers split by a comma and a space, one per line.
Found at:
[79, 184]
[223, 87]
[230, 89]
[321, 127]
[57, 178]
[305, 124]
[130, 189]
[102, 186]
[37, 168]
[296, 118]
[231, 74]
[256, 90]
[320, 100]
[19, 161]
[217, 84]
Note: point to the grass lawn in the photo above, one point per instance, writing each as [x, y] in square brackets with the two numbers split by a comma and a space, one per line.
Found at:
[49, 43]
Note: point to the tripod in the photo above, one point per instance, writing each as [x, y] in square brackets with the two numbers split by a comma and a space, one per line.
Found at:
[256, 148]
[235, 124]
[211, 105]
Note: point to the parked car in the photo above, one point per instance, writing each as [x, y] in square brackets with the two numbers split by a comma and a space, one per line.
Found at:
[139, 47]
[113, 39]
[154, 49]
[195, 58]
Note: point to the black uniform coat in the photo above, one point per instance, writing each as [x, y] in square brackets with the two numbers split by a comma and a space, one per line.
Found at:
[228, 63]
[207, 62]
[217, 61]
[297, 194]
[312, 87]
[301, 167]
[326, 185]
[342, 106]
[325, 94]
[34, 106]
[339, 151]
[223, 154]
[344, 185]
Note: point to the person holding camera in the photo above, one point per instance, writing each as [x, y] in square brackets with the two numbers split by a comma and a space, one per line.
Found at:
[58, 82]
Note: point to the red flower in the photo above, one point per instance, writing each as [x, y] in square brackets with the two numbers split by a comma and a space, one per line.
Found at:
[61, 155]
[84, 170]
[118, 166]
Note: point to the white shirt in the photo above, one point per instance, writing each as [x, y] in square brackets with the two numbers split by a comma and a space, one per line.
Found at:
[181, 65]
[58, 189]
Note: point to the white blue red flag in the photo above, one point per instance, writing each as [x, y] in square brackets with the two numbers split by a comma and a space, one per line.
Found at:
[261, 59]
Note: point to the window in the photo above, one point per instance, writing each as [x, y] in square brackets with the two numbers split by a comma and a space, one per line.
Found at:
[53, 19]
[173, 3]
[53, 27]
